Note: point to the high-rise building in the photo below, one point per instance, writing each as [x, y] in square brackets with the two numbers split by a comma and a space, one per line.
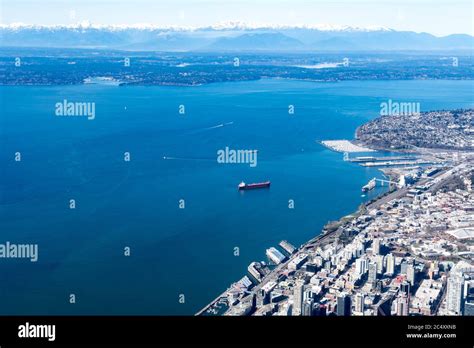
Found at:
[379, 286]
[405, 264]
[403, 267]
[379, 261]
[411, 274]
[390, 264]
[372, 278]
[469, 307]
[402, 305]
[361, 266]
[298, 297]
[434, 270]
[343, 305]
[469, 296]
[455, 293]
[376, 246]
[359, 303]
[308, 307]
[307, 294]
[360, 248]
[405, 288]
[468, 287]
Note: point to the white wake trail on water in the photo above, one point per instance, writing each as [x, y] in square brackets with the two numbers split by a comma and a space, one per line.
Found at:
[188, 159]
[200, 130]
[220, 125]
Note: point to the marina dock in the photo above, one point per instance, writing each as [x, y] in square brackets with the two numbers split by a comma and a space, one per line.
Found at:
[365, 159]
[396, 163]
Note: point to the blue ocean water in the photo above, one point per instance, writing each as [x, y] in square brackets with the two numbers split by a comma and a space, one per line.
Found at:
[118, 204]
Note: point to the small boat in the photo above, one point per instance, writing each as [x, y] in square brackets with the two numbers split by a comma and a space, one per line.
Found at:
[244, 186]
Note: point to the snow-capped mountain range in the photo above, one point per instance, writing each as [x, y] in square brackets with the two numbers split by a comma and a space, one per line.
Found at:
[227, 36]
[227, 25]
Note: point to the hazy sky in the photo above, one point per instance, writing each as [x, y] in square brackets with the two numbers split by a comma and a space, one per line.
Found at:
[438, 17]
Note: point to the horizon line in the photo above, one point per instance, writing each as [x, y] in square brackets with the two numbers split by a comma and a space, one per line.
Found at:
[221, 26]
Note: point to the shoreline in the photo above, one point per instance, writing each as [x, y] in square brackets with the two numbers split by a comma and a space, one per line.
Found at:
[312, 243]
[329, 230]
[181, 84]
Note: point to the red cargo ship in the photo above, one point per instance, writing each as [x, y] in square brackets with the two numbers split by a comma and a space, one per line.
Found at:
[244, 186]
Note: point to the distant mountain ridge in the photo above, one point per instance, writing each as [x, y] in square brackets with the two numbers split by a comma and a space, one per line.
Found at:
[233, 36]
[229, 25]
[258, 42]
